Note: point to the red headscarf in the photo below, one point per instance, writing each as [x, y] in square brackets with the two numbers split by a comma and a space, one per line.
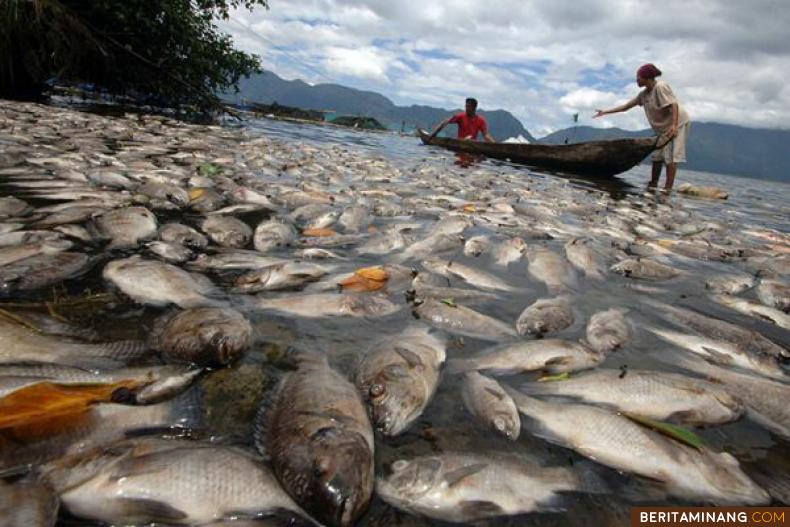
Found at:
[648, 71]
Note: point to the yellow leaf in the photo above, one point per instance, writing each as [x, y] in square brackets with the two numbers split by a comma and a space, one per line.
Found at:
[319, 233]
[373, 273]
[196, 193]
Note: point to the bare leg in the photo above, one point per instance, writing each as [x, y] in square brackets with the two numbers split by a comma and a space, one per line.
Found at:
[656, 174]
[672, 169]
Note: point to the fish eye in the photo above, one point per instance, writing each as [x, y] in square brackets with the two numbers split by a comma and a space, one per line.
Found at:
[399, 465]
[377, 390]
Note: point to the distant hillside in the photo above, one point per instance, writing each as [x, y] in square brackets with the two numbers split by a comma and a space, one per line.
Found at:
[267, 88]
[712, 147]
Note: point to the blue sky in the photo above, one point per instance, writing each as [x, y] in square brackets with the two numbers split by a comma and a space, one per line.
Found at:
[541, 60]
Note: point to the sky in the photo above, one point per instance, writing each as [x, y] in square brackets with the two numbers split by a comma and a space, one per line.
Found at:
[543, 61]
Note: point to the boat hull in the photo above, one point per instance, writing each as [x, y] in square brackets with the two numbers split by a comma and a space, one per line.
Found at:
[592, 158]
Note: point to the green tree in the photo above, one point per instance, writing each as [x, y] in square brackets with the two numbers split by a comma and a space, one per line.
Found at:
[169, 49]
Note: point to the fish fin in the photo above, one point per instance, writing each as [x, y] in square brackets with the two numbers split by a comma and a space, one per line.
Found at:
[456, 476]
[717, 355]
[150, 510]
[688, 417]
[456, 366]
[640, 489]
[480, 509]
[411, 358]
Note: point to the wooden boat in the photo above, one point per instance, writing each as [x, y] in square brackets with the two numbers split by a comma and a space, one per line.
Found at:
[593, 158]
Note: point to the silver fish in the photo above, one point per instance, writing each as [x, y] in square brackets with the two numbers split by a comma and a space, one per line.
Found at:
[491, 405]
[729, 283]
[398, 377]
[126, 227]
[608, 330]
[273, 235]
[551, 269]
[466, 487]
[754, 309]
[227, 231]
[330, 304]
[552, 355]
[320, 442]
[616, 441]
[185, 482]
[653, 394]
[545, 315]
[464, 321]
[158, 283]
[644, 269]
[774, 293]
[470, 275]
[207, 336]
[280, 276]
[583, 254]
[182, 235]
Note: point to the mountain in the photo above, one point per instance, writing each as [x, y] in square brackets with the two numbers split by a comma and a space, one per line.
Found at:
[267, 88]
[712, 147]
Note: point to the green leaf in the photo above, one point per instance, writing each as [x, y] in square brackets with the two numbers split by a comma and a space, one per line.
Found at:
[449, 301]
[678, 433]
[208, 169]
[564, 376]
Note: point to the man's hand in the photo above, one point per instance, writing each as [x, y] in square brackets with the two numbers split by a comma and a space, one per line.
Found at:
[598, 113]
[672, 132]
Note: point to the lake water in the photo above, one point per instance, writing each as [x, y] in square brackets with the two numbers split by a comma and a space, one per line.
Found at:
[446, 425]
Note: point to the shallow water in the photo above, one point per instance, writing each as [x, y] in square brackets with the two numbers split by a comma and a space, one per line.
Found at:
[233, 395]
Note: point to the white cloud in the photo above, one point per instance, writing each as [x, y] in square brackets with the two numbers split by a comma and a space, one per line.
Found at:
[542, 61]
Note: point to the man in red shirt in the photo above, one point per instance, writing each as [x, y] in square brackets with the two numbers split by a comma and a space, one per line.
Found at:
[469, 124]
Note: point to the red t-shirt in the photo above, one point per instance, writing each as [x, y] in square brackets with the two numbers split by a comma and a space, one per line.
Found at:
[469, 126]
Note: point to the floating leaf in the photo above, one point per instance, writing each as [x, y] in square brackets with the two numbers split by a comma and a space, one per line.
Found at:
[564, 376]
[196, 193]
[373, 273]
[469, 208]
[319, 233]
[678, 433]
[449, 301]
[209, 169]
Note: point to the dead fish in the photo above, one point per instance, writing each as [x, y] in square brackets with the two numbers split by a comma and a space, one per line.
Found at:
[470, 275]
[466, 487]
[182, 235]
[485, 399]
[319, 439]
[653, 394]
[729, 283]
[509, 251]
[702, 191]
[27, 238]
[398, 377]
[774, 293]
[227, 231]
[158, 283]
[583, 254]
[316, 253]
[552, 355]
[433, 244]
[608, 330]
[205, 200]
[545, 315]
[71, 215]
[41, 271]
[273, 235]
[754, 309]
[765, 399]
[171, 252]
[77, 232]
[185, 482]
[721, 341]
[279, 276]
[165, 191]
[464, 321]
[207, 336]
[230, 260]
[644, 269]
[551, 269]
[126, 227]
[15, 253]
[21, 344]
[618, 442]
[331, 304]
[476, 245]
[11, 207]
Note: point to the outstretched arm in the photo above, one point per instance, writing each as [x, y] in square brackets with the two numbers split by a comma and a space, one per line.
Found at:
[622, 108]
[438, 129]
[488, 138]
